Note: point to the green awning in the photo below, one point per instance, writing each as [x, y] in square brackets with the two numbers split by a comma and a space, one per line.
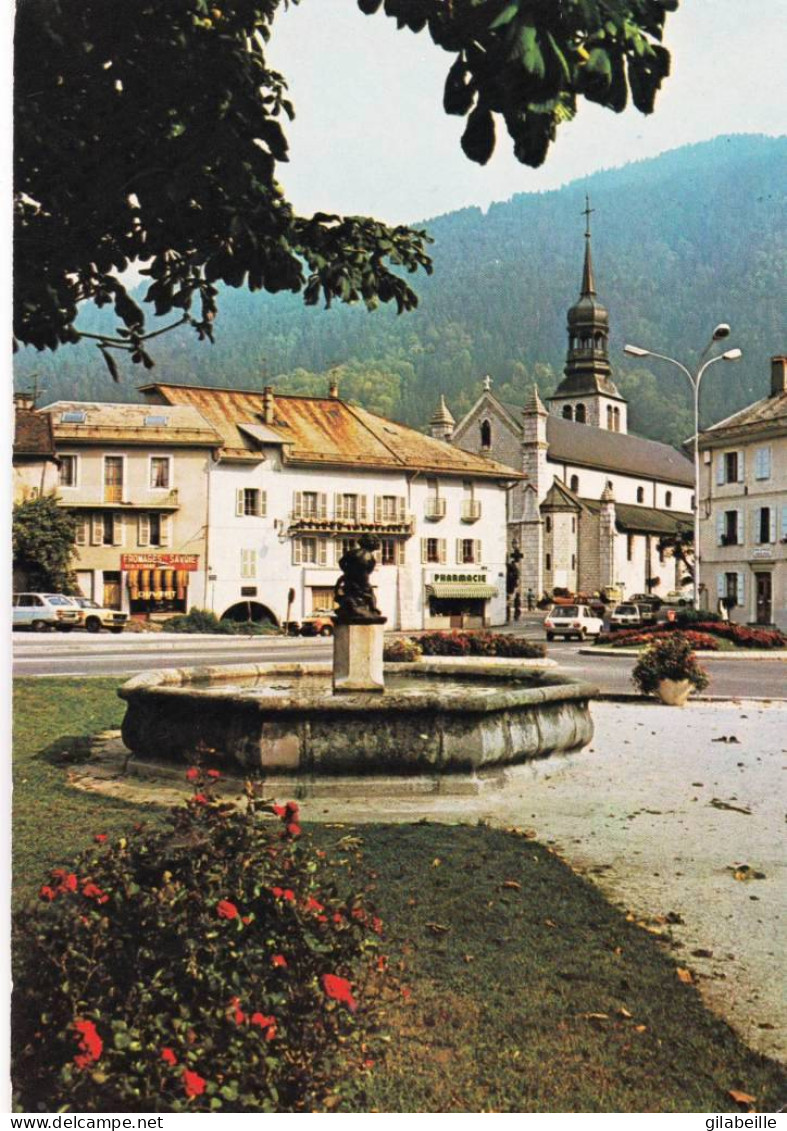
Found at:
[471, 590]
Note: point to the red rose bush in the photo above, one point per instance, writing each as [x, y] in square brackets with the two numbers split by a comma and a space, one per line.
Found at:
[210, 966]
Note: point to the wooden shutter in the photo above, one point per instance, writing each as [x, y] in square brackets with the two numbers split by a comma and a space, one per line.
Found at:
[297, 551]
[322, 551]
[424, 551]
[322, 504]
[719, 527]
[720, 469]
[80, 536]
[459, 551]
[441, 550]
[721, 585]
[755, 525]
[297, 504]
[96, 528]
[362, 508]
[477, 551]
[338, 508]
[263, 504]
[164, 530]
[117, 529]
[400, 552]
[239, 507]
[401, 509]
[766, 463]
[741, 466]
[741, 594]
[378, 508]
[143, 530]
[741, 530]
[772, 527]
[784, 520]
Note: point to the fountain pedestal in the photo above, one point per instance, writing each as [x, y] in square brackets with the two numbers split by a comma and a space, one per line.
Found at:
[358, 655]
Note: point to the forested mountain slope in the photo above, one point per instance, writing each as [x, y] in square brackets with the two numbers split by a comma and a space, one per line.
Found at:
[680, 242]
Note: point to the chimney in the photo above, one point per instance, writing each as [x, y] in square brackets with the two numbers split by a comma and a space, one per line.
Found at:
[25, 401]
[268, 404]
[333, 389]
[778, 375]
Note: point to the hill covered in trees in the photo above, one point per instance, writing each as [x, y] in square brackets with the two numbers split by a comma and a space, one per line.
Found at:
[680, 242]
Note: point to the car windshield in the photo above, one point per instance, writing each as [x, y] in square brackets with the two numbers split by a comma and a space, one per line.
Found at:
[566, 611]
[56, 599]
[627, 610]
[86, 603]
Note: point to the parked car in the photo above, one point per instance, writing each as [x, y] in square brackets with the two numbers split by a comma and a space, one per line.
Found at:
[647, 599]
[42, 612]
[317, 624]
[625, 616]
[572, 620]
[94, 617]
[677, 597]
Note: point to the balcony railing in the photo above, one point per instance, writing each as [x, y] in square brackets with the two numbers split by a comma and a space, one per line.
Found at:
[113, 493]
[434, 509]
[471, 510]
[302, 522]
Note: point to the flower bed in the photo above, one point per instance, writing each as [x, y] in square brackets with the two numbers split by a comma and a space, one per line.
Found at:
[205, 968]
[478, 644]
[739, 635]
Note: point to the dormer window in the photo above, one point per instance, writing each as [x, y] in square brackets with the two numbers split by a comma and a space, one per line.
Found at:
[486, 435]
[79, 417]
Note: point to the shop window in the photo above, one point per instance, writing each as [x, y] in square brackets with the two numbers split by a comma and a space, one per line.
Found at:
[160, 472]
[67, 476]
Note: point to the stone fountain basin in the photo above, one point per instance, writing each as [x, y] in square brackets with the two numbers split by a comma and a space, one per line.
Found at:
[434, 718]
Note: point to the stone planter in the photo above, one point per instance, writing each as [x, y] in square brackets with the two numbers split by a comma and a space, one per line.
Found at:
[674, 692]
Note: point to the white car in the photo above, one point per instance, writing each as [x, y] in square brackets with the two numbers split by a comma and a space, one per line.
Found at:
[572, 620]
[94, 617]
[42, 611]
[626, 616]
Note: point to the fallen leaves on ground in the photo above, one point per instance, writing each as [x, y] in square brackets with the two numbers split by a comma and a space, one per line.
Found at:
[717, 803]
[438, 928]
[745, 872]
[741, 1097]
[685, 976]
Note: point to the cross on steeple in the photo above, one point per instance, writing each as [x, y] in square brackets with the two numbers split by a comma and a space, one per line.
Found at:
[587, 211]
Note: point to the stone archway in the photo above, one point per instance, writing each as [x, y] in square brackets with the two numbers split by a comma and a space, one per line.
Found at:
[250, 610]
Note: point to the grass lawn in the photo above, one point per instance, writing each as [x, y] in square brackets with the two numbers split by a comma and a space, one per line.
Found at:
[528, 991]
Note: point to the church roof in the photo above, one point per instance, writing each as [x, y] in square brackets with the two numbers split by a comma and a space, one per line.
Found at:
[587, 446]
[632, 519]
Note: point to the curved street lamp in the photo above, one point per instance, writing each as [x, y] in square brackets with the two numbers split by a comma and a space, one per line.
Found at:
[722, 331]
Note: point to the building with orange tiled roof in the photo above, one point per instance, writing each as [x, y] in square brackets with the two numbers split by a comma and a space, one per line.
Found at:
[297, 479]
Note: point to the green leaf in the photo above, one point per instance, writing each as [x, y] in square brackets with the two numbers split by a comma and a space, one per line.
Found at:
[530, 52]
[478, 140]
[506, 16]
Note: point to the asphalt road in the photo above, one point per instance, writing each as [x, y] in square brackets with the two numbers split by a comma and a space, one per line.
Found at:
[78, 654]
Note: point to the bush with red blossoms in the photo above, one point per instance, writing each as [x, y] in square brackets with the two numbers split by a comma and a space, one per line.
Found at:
[465, 644]
[212, 966]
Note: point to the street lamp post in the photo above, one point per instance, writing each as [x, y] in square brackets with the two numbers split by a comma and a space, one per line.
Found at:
[722, 331]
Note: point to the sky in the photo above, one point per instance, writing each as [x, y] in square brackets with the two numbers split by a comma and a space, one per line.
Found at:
[371, 137]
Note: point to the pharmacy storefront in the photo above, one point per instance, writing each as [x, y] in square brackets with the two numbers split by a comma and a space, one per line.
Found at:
[457, 599]
[159, 583]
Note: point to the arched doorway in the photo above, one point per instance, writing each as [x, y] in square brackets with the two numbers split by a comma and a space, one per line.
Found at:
[250, 611]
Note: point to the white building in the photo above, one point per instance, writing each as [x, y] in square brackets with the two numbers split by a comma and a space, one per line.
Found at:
[743, 531]
[297, 479]
[596, 499]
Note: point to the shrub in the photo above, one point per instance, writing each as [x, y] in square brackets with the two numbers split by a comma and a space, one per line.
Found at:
[403, 650]
[479, 644]
[740, 635]
[208, 967]
[670, 657]
[689, 616]
[638, 638]
[203, 620]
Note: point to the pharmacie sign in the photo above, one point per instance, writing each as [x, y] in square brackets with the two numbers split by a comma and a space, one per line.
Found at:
[462, 577]
[159, 561]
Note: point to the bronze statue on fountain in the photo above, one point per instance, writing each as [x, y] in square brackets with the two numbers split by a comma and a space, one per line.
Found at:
[353, 594]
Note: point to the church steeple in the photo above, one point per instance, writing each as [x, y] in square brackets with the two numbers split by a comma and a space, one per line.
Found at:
[588, 373]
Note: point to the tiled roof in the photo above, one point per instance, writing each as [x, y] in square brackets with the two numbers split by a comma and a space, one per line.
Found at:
[324, 431]
[768, 413]
[644, 520]
[129, 423]
[32, 434]
[588, 446]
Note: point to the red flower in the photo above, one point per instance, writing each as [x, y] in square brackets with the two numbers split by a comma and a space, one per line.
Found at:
[293, 809]
[279, 960]
[47, 892]
[382, 962]
[238, 1016]
[200, 799]
[246, 920]
[89, 1042]
[293, 829]
[337, 917]
[358, 913]
[279, 810]
[192, 774]
[92, 891]
[168, 1056]
[226, 910]
[322, 918]
[377, 926]
[313, 904]
[339, 989]
[99, 838]
[267, 1023]
[67, 881]
[214, 774]
[193, 1083]
[284, 893]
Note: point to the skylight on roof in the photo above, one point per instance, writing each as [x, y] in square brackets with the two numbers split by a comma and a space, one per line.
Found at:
[79, 417]
[156, 421]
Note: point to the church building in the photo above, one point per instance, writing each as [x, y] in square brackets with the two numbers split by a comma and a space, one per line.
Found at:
[597, 499]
